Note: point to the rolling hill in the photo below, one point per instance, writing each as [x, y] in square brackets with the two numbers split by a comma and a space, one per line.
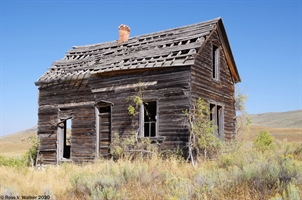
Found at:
[281, 125]
[16, 144]
[291, 119]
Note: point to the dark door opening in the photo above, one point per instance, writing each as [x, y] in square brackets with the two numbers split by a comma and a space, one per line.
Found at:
[67, 137]
[64, 139]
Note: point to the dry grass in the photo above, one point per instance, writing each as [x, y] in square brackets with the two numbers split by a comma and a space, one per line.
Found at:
[241, 174]
[57, 180]
[235, 175]
[30, 181]
[15, 145]
[281, 134]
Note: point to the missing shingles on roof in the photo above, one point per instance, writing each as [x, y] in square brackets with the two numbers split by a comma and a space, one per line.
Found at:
[164, 49]
[186, 51]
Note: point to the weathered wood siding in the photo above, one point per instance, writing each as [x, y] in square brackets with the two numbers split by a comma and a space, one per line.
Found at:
[221, 91]
[61, 101]
[47, 133]
[168, 86]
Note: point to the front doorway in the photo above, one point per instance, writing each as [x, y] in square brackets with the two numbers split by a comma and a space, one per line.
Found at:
[63, 139]
[103, 112]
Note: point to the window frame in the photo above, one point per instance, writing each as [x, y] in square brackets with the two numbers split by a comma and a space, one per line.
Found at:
[217, 116]
[62, 146]
[215, 62]
[142, 121]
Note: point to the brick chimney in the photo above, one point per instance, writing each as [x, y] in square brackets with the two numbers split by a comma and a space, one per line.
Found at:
[124, 33]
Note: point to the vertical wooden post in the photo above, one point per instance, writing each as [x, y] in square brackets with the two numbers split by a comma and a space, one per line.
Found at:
[221, 122]
[60, 141]
[97, 130]
[141, 120]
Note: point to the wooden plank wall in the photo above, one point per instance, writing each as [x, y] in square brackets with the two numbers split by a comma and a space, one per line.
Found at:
[221, 91]
[61, 101]
[47, 133]
[83, 134]
[168, 86]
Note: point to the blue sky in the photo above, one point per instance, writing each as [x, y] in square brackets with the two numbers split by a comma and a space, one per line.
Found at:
[265, 38]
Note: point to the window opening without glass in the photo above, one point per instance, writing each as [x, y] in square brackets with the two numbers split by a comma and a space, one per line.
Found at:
[216, 116]
[148, 119]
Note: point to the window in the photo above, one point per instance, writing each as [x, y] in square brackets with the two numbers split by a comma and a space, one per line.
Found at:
[215, 62]
[148, 119]
[216, 116]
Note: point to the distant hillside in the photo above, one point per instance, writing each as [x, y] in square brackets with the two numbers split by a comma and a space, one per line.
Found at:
[290, 119]
[281, 125]
[16, 144]
[28, 130]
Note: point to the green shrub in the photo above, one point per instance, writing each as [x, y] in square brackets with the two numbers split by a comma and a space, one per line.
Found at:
[95, 186]
[290, 170]
[131, 110]
[132, 147]
[298, 151]
[136, 100]
[291, 192]
[28, 159]
[178, 187]
[202, 141]
[263, 141]
[12, 162]
[31, 155]
[263, 173]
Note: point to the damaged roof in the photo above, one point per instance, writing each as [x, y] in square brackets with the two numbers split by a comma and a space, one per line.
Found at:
[172, 47]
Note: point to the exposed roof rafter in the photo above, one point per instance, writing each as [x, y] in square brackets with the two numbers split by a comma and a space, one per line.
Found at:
[172, 47]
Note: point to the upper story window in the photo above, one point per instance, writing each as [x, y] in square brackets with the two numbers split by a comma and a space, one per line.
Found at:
[215, 62]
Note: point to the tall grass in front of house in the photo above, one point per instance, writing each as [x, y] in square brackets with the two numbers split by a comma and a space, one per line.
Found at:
[262, 170]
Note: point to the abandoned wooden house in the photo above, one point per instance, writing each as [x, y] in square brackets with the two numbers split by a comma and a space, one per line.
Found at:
[89, 89]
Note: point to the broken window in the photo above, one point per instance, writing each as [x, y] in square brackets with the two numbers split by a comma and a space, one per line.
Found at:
[148, 119]
[215, 62]
[216, 116]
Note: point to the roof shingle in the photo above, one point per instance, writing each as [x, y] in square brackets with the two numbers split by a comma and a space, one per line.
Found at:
[173, 47]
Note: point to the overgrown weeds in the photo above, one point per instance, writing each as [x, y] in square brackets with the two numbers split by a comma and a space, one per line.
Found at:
[238, 173]
[28, 159]
[132, 147]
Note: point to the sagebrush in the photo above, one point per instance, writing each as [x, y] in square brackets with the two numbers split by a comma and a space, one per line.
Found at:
[239, 172]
